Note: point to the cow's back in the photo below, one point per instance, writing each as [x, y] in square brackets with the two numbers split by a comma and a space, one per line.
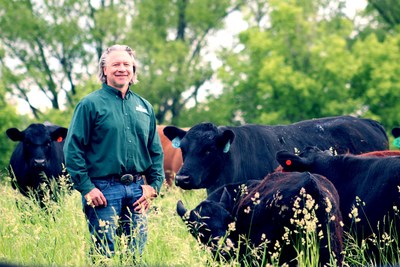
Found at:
[344, 134]
[269, 209]
[255, 146]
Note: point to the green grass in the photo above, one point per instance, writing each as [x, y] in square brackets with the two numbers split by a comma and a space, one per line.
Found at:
[58, 235]
[32, 236]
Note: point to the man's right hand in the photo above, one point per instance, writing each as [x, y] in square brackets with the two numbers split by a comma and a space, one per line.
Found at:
[96, 198]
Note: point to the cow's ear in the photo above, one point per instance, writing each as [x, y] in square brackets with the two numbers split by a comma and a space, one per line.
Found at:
[289, 161]
[180, 209]
[171, 132]
[225, 140]
[59, 134]
[15, 134]
[226, 200]
[396, 132]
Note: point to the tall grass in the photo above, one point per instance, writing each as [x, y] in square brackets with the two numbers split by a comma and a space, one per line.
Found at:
[58, 235]
[33, 236]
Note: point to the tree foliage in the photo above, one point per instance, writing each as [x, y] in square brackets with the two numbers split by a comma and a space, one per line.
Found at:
[171, 47]
[44, 49]
[387, 12]
[304, 59]
[8, 118]
[297, 60]
[53, 46]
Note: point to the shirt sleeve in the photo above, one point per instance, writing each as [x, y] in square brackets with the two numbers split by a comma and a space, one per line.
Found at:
[155, 174]
[74, 149]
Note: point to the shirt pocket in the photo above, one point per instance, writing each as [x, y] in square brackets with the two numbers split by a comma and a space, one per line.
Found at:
[143, 125]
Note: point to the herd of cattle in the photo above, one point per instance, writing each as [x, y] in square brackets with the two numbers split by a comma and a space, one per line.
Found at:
[255, 174]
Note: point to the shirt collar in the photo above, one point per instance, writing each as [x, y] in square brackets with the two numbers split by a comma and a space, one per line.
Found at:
[116, 92]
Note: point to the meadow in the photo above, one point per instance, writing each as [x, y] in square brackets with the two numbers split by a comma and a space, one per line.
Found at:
[58, 235]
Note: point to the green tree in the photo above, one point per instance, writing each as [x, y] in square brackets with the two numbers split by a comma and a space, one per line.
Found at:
[54, 46]
[44, 49]
[305, 59]
[216, 109]
[376, 83]
[171, 45]
[387, 12]
[8, 119]
[295, 67]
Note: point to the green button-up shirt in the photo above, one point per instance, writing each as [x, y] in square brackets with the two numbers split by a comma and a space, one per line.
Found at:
[110, 135]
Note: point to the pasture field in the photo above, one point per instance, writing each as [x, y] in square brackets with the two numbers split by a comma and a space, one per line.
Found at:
[31, 236]
[58, 235]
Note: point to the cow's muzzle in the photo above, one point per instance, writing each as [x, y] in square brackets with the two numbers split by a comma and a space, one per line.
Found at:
[39, 163]
[182, 180]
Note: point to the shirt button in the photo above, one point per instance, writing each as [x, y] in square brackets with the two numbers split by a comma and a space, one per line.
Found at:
[126, 114]
[130, 141]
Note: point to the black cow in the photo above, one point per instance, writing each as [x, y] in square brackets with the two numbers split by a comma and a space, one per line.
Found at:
[38, 158]
[380, 153]
[369, 184]
[214, 156]
[268, 211]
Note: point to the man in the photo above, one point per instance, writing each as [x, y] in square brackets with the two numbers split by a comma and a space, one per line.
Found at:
[112, 143]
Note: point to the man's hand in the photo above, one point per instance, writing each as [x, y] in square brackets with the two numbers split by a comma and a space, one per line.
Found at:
[96, 198]
[143, 203]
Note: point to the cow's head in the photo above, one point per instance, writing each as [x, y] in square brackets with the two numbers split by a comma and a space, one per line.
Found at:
[37, 142]
[209, 221]
[305, 161]
[205, 149]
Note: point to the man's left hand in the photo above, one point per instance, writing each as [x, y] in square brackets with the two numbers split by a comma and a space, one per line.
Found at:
[143, 203]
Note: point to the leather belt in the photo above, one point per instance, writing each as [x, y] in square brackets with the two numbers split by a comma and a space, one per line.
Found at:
[125, 179]
[130, 178]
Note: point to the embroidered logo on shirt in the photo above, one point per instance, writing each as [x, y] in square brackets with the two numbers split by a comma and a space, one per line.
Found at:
[141, 109]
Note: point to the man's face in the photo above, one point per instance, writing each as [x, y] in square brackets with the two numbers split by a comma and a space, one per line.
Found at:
[119, 69]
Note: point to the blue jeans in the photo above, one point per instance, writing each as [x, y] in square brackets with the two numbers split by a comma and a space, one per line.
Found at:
[118, 218]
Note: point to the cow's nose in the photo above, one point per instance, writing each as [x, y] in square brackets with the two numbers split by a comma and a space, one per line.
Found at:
[39, 162]
[182, 180]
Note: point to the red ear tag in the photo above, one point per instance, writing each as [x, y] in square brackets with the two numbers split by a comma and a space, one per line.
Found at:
[59, 139]
[288, 162]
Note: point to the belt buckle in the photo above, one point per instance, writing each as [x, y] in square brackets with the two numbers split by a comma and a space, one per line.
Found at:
[127, 179]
